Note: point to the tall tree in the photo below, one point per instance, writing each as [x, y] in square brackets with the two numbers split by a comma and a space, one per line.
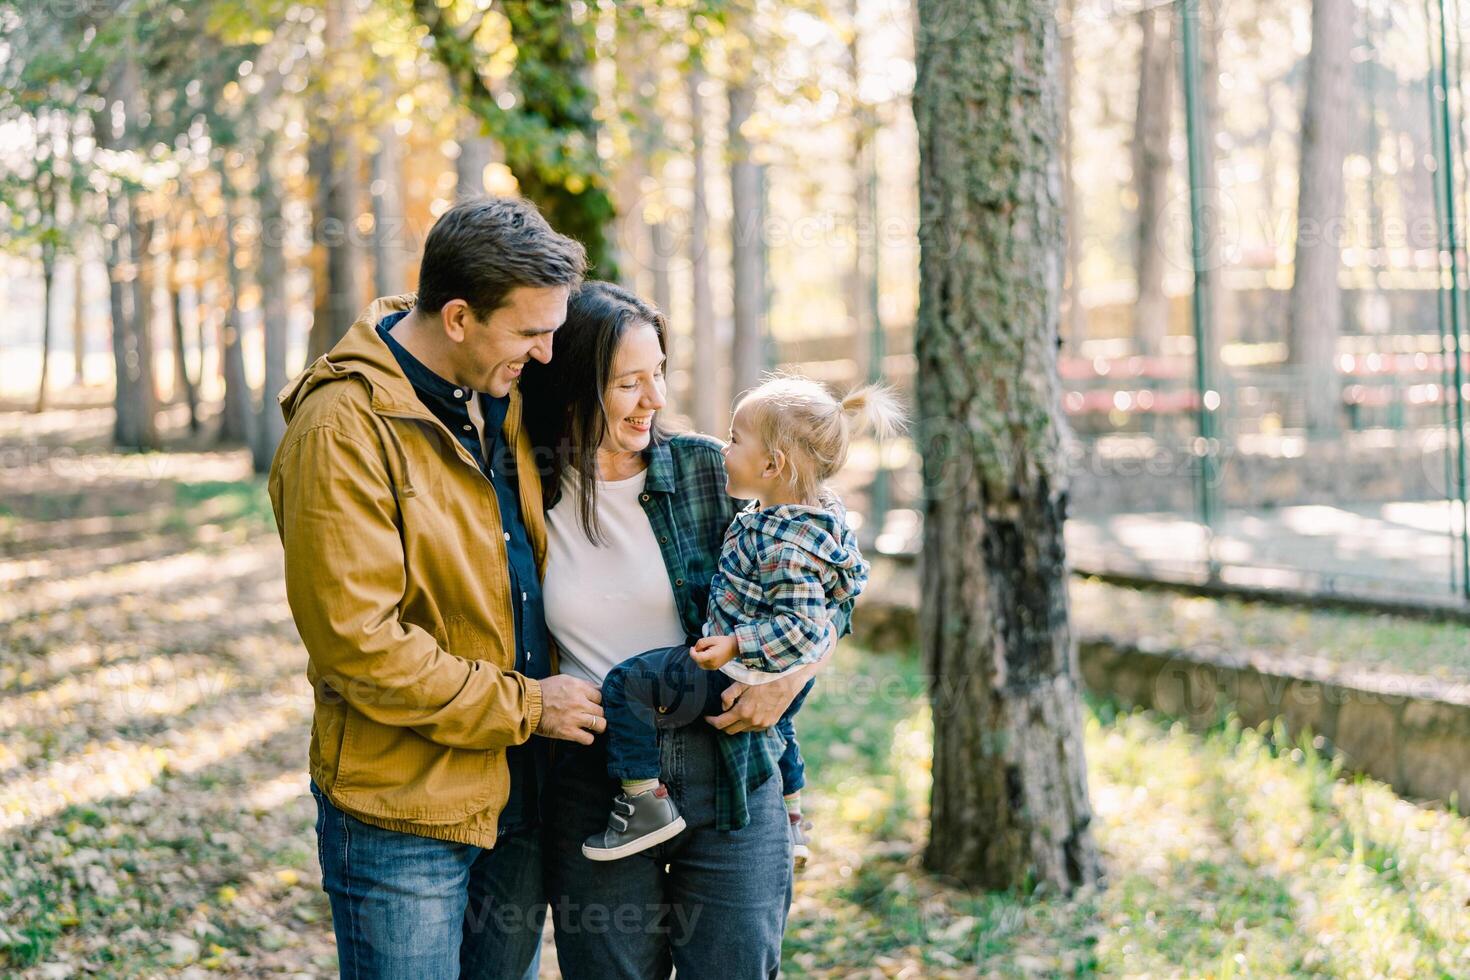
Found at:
[549, 133]
[747, 219]
[1073, 313]
[116, 124]
[708, 394]
[1151, 165]
[236, 417]
[1010, 789]
[270, 424]
[1316, 302]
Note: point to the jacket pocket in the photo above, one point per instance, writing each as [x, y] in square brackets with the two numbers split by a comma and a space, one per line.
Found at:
[395, 773]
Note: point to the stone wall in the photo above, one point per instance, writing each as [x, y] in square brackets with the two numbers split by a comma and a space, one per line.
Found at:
[1410, 732]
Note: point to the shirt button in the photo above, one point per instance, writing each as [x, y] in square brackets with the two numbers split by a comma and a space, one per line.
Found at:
[663, 539]
[678, 581]
[468, 427]
[643, 497]
[662, 710]
[523, 597]
[507, 535]
[459, 393]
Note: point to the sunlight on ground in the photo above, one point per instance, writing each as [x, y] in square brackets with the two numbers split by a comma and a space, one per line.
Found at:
[155, 816]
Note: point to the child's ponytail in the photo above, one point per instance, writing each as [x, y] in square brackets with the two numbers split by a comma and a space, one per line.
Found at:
[874, 407]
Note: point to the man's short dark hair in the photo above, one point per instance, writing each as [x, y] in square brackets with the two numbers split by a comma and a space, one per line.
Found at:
[482, 248]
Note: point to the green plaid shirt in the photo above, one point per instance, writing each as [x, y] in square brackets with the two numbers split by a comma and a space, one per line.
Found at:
[685, 500]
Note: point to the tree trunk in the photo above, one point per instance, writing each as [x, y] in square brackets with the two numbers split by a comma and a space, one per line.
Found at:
[1316, 304]
[1074, 315]
[748, 273]
[1151, 165]
[1009, 802]
[146, 390]
[636, 62]
[708, 393]
[48, 280]
[337, 163]
[182, 380]
[235, 414]
[275, 312]
[859, 309]
[79, 318]
[476, 152]
[126, 427]
[319, 166]
[390, 224]
[135, 425]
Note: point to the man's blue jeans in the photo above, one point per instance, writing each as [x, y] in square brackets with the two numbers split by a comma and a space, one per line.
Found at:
[414, 908]
[665, 688]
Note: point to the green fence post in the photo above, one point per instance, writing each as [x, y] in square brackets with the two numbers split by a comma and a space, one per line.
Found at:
[1209, 398]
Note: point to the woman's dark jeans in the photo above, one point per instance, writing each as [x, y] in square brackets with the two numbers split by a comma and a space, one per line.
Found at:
[708, 903]
[663, 689]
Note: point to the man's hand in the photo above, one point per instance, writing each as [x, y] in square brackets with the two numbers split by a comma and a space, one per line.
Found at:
[754, 709]
[714, 652]
[571, 709]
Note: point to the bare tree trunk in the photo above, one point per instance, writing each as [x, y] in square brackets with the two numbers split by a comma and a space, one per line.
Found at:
[270, 424]
[235, 415]
[1316, 303]
[319, 166]
[1010, 802]
[142, 236]
[79, 317]
[338, 164]
[127, 427]
[135, 425]
[48, 279]
[746, 248]
[1217, 235]
[709, 402]
[182, 380]
[476, 152]
[1074, 315]
[636, 61]
[859, 311]
[664, 243]
[390, 224]
[1151, 126]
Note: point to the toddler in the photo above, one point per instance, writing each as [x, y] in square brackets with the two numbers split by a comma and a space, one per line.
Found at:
[787, 563]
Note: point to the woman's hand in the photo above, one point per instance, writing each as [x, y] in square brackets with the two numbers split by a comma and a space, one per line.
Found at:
[754, 709]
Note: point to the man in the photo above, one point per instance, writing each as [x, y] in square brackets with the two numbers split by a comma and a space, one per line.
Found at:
[409, 507]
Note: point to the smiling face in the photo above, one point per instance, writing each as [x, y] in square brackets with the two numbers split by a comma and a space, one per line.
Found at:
[750, 467]
[635, 391]
[489, 354]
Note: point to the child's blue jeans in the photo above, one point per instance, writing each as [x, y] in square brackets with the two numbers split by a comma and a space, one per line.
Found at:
[665, 688]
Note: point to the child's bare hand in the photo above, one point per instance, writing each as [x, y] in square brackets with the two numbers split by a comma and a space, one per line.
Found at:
[713, 652]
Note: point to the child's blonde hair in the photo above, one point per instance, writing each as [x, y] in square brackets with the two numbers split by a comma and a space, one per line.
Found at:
[803, 421]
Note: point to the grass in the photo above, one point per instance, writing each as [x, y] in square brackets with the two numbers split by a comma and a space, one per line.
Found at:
[153, 814]
[1336, 637]
[1235, 852]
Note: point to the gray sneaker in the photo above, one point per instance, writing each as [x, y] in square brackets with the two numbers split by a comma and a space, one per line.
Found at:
[635, 824]
[799, 849]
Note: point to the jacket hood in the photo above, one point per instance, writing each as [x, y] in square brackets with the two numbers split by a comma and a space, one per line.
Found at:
[360, 354]
[821, 531]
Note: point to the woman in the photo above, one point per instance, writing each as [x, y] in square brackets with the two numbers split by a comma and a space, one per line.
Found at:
[635, 519]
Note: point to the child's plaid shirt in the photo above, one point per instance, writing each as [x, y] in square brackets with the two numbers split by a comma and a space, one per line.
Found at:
[783, 572]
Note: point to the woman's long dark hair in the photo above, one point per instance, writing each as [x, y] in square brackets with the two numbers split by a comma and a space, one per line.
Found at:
[562, 401]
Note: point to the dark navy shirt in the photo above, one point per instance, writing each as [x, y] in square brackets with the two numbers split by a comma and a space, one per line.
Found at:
[450, 404]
